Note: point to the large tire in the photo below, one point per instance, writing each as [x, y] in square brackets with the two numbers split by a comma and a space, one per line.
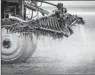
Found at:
[17, 47]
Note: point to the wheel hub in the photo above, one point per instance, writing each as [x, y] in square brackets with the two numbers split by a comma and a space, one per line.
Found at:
[6, 43]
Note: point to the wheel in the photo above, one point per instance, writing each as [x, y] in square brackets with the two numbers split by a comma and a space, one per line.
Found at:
[16, 47]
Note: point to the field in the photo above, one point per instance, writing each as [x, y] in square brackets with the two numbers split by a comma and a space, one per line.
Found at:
[73, 55]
